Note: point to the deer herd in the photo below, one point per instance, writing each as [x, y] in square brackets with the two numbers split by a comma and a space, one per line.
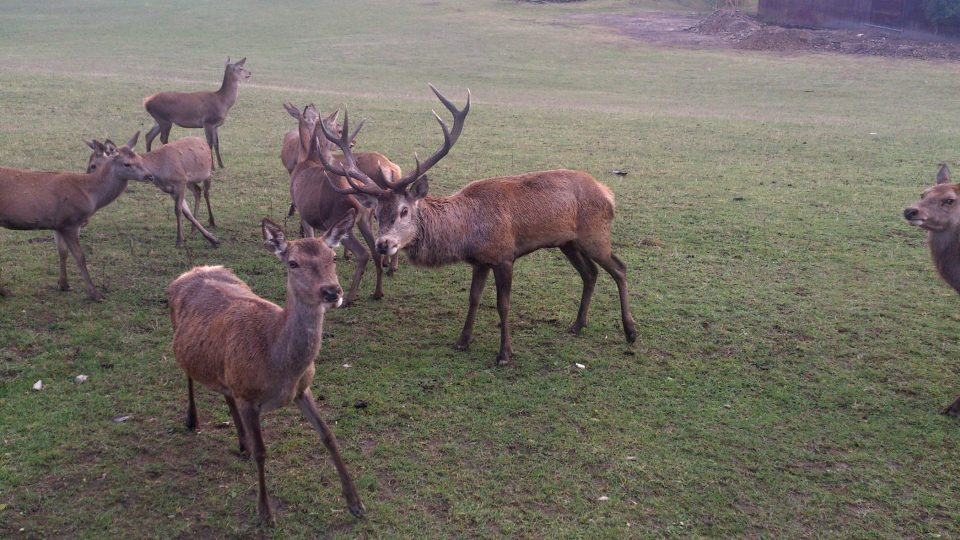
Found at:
[259, 355]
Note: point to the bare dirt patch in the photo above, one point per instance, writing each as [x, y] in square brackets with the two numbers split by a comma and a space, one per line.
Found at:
[737, 30]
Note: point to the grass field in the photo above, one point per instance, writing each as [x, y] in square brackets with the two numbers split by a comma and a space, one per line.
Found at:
[795, 343]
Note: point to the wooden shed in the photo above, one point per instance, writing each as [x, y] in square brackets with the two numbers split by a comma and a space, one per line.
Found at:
[892, 14]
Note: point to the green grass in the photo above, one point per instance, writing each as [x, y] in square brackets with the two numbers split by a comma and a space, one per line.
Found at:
[795, 343]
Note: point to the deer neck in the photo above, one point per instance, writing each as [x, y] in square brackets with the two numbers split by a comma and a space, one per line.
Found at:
[105, 185]
[304, 134]
[300, 335]
[945, 250]
[228, 89]
[442, 232]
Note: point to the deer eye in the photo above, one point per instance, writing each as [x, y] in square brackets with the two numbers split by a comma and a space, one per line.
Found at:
[293, 264]
[126, 165]
[948, 202]
[404, 212]
[93, 168]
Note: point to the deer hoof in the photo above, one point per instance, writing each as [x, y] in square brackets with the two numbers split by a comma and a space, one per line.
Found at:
[357, 510]
[575, 329]
[951, 411]
[266, 516]
[97, 297]
[462, 345]
[376, 295]
[503, 360]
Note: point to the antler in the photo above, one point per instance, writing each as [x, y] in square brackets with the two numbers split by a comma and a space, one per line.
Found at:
[350, 171]
[450, 137]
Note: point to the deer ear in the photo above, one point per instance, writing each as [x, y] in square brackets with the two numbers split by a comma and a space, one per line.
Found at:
[419, 188]
[943, 175]
[133, 140]
[387, 173]
[109, 148]
[292, 110]
[273, 238]
[241, 62]
[333, 116]
[228, 61]
[91, 144]
[343, 227]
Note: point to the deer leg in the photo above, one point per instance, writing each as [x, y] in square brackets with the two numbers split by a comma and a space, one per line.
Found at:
[350, 242]
[480, 273]
[953, 409]
[618, 271]
[364, 227]
[195, 189]
[178, 205]
[394, 261]
[62, 252]
[191, 407]
[238, 423]
[251, 423]
[152, 134]
[196, 224]
[165, 131]
[216, 146]
[503, 276]
[206, 197]
[72, 238]
[210, 133]
[588, 273]
[307, 231]
[309, 408]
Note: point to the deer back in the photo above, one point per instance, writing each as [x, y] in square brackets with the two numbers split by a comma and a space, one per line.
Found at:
[183, 160]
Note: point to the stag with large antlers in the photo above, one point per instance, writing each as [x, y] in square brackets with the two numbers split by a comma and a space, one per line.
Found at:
[207, 110]
[490, 223]
[321, 206]
[938, 211]
[63, 202]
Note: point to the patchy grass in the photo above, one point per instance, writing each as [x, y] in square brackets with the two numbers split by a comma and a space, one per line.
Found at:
[795, 345]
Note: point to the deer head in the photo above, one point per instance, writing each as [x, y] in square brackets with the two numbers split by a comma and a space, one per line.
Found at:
[310, 262]
[128, 163]
[937, 210]
[395, 201]
[236, 70]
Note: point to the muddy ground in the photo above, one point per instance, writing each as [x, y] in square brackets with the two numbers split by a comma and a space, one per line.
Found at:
[736, 30]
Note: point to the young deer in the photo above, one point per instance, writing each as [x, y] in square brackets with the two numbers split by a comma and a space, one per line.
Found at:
[369, 162]
[258, 355]
[320, 206]
[938, 212]
[63, 202]
[196, 109]
[175, 167]
[490, 223]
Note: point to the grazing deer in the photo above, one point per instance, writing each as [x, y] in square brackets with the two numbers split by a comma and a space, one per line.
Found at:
[258, 355]
[490, 223]
[175, 167]
[938, 212]
[296, 149]
[196, 109]
[63, 202]
[321, 206]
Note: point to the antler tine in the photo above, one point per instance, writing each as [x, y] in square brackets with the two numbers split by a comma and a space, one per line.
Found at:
[356, 132]
[450, 137]
[348, 168]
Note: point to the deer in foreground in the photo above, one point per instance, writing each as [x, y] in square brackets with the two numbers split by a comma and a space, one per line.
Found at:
[321, 206]
[938, 212]
[207, 110]
[258, 355]
[490, 223]
[175, 167]
[369, 162]
[63, 202]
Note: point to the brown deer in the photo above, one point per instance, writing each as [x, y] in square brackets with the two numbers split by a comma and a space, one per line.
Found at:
[175, 167]
[207, 110]
[258, 355]
[938, 212]
[368, 162]
[63, 202]
[490, 223]
[320, 206]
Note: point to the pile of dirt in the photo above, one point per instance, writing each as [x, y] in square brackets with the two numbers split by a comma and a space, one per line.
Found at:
[728, 24]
